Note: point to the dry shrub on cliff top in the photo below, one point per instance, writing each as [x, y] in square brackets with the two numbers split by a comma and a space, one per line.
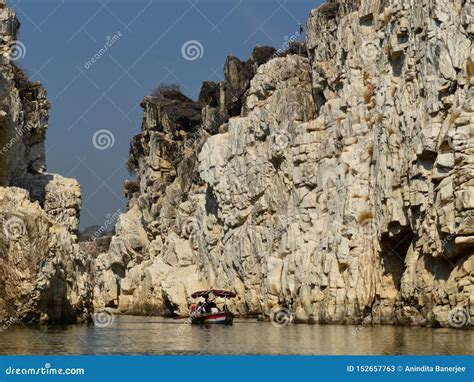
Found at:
[165, 90]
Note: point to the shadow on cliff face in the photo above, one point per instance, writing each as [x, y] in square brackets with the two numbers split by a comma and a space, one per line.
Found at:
[35, 184]
[440, 268]
[55, 303]
[393, 254]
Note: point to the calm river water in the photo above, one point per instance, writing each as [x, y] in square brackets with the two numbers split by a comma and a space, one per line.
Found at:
[154, 335]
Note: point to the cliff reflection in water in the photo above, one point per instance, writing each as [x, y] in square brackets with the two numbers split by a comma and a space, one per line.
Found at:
[154, 335]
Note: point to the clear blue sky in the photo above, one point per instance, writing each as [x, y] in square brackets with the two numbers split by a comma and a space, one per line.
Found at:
[61, 36]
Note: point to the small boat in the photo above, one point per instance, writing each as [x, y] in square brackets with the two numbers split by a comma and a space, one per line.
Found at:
[208, 312]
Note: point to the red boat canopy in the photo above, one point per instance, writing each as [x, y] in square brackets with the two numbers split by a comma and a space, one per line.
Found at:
[215, 292]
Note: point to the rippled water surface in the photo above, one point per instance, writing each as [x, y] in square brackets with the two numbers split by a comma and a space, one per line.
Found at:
[154, 335]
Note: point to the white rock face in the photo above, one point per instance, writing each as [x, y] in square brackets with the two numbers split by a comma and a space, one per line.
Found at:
[43, 275]
[343, 191]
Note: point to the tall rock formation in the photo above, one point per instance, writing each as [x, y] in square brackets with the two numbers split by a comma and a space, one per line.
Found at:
[339, 185]
[43, 275]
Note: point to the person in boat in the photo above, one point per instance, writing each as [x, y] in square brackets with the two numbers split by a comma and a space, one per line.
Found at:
[200, 308]
[210, 305]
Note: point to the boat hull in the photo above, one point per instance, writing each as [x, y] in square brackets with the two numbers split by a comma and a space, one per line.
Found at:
[223, 318]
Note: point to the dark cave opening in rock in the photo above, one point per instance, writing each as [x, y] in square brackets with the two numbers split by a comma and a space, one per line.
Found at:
[393, 253]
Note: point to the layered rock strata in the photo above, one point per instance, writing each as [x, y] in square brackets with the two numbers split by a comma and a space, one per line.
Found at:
[43, 275]
[338, 185]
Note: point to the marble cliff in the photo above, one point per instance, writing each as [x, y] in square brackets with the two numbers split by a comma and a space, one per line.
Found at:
[43, 275]
[335, 180]
[337, 183]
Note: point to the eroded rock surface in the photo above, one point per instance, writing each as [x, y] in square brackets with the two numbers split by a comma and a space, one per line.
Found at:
[43, 274]
[339, 185]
